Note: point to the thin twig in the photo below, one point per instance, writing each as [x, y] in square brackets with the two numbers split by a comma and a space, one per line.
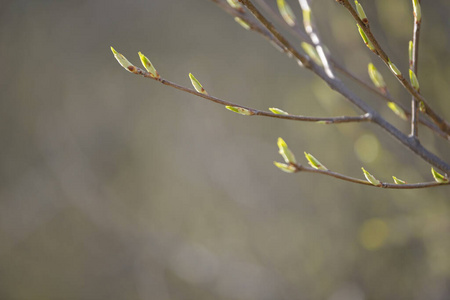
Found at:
[442, 124]
[312, 32]
[254, 111]
[413, 65]
[386, 185]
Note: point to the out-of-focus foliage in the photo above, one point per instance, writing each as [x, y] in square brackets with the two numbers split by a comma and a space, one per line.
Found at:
[116, 187]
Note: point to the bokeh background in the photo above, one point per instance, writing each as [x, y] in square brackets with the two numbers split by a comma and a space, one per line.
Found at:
[113, 186]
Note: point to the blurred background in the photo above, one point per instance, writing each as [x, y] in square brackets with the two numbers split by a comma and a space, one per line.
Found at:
[113, 186]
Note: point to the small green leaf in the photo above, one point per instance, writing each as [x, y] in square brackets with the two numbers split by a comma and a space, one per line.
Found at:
[313, 162]
[148, 65]
[287, 155]
[242, 23]
[284, 167]
[307, 19]
[286, 13]
[361, 13]
[370, 178]
[394, 69]
[278, 111]
[365, 39]
[398, 181]
[376, 77]
[410, 52]
[438, 177]
[239, 110]
[198, 87]
[397, 110]
[312, 52]
[123, 61]
[414, 80]
[235, 4]
[422, 107]
[417, 11]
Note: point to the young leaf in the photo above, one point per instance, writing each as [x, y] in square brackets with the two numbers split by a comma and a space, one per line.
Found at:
[198, 87]
[365, 39]
[235, 4]
[417, 11]
[398, 181]
[242, 23]
[312, 52]
[123, 61]
[287, 155]
[410, 52]
[313, 162]
[414, 80]
[376, 77]
[361, 13]
[284, 167]
[278, 111]
[438, 177]
[394, 69]
[422, 107]
[148, 65]
[397, 110]
[239, 110]
[306, 16]
[286, 13]
[370, 178]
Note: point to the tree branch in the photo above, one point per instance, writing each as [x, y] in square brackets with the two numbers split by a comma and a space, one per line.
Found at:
[442, 124]
[253, 111]
[338, 86]
[386, 185]
[413, 67]
[302, 36]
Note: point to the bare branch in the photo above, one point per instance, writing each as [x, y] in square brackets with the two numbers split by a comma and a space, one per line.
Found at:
[413, 67]
[443, 125]
[338, 86]
[386, 185]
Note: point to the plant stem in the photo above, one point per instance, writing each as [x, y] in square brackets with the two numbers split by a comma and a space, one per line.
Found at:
[386, 185]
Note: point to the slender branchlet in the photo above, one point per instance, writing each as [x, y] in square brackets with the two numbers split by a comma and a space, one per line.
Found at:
[413, 65]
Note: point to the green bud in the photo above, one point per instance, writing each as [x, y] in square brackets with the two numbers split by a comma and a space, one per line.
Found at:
[422, 107]
[284, 167]
[361, 13]
[287, 155]
[398, 181]
[370, 178]
[242, 23]
[438, 177]
[123, 61]
[394, 69]
[365, 39]
[414, 80]
[307, 20]
[148, 65]
[313, 162]
[397, 110]
[417, 11]
[312, 52]
[376, 77]
[278, 111]
[198, 87]
[410, 52]
[286, 13]
[235, 4]
[239, 110]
